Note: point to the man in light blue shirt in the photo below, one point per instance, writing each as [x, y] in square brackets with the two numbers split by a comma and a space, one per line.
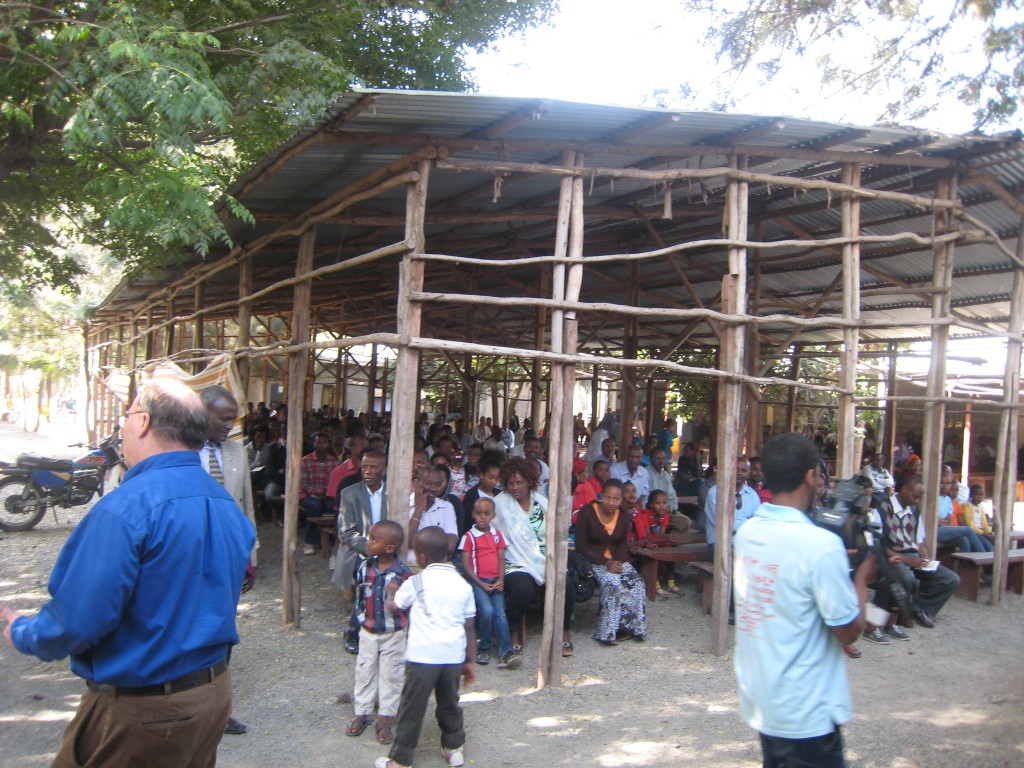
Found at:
[632, 471]
[795, 608]
[747, 502]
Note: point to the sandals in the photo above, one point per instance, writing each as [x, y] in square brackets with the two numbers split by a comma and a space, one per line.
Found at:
[385, 733]
[566, 649]
[359, 724]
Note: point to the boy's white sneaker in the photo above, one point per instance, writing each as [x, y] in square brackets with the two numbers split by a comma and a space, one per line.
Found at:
[455, 757]
[387, 762]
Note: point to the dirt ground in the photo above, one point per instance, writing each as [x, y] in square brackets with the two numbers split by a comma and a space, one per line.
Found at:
[952, 696]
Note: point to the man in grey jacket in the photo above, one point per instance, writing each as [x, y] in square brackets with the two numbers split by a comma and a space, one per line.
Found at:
[359, 506]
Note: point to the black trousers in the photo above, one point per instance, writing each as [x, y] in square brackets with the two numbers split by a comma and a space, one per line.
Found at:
[521, 591]
[420, 681]
[817, 752]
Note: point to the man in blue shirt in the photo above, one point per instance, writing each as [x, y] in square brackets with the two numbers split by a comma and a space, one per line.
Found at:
[795, 609]
[747, 502]
[143, 599]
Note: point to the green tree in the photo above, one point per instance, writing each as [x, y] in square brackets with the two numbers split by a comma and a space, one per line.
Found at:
[923, 51]
[121, 124]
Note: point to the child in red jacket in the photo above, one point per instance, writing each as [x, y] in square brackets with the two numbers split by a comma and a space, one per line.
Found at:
[651, 528]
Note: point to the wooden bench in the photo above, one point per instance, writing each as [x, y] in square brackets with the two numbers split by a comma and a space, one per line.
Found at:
[944, 554]
[328, 525]
[972, 564]
[705, 583]
[650, 557]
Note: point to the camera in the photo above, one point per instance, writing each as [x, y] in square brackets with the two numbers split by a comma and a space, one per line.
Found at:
[847, 515]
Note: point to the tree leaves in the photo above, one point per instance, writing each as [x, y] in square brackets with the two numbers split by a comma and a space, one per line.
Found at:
[921, 51]
[123, 123]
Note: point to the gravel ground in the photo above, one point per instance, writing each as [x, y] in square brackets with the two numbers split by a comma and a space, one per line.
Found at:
[666, 702]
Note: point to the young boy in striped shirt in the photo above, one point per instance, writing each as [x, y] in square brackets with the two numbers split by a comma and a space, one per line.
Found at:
[380, 666]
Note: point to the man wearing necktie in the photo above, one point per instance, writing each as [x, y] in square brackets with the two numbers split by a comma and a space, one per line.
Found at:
[227, 463]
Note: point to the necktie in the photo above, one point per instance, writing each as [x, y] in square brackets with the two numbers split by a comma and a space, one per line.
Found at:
[215, 470]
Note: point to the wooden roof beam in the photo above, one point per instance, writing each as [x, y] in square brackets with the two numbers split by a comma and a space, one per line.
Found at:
[512, 121]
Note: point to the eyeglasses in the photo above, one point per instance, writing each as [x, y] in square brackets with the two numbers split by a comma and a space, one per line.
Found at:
[132, 413]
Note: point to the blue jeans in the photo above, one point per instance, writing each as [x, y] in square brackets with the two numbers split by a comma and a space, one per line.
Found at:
[311, 506]
[490, 618]
[816, 752]
[967, 539]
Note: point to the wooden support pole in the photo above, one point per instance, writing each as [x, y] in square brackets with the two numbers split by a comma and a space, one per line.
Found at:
[198, 326]
[1004, 484]
[730, 407]
[965, 448]
[934, 411]
[847, 462]
[150, 336]
[344, 380]
[298, 363]
[371, 385]
[169, 335]
[559, 444]
[244, 323]
[537, 371]
[595, 385]
[405, 401]
[888, 438]
[794, 375]
[630, 329]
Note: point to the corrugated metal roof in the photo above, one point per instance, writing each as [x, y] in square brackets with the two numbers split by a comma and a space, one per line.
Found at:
[480, 213]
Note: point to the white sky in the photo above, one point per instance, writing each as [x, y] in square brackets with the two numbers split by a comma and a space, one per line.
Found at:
[615, 52]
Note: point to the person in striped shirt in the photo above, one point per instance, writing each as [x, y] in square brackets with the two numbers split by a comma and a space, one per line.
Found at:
[380, 666]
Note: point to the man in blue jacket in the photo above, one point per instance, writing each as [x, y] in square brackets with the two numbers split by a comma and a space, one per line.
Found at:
[143, 599]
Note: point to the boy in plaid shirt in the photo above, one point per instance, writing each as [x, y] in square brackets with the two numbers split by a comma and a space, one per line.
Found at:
[380, 668]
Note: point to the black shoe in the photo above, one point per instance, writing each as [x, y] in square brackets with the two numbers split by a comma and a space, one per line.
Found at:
[924, 619]
[235, 727]
[352, 642]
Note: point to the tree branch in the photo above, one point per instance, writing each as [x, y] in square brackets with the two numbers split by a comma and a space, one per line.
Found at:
[248, 23]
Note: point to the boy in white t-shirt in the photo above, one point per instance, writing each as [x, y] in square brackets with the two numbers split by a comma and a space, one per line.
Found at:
[439, 649]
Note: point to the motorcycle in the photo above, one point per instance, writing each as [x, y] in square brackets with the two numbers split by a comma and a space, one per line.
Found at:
[34, 483]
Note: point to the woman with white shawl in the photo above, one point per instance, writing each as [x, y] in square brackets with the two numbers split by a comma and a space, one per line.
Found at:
[520, 516]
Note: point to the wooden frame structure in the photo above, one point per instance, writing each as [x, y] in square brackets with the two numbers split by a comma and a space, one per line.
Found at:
[577, 239]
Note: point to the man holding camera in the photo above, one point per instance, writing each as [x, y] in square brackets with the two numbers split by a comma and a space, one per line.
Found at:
[795, 609]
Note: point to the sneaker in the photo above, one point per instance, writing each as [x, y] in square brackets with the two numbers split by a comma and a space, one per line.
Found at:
[483, 656]
[351, 640]
[517, 650]
[510, 660]
[330, 563]
[896, 632]
[876, 636]
[309, 549]
[455, 757]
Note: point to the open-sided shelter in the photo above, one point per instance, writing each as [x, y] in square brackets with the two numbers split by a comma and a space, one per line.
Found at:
[578, 238]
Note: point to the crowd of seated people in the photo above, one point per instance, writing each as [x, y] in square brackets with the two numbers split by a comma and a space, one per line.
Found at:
[461, 474]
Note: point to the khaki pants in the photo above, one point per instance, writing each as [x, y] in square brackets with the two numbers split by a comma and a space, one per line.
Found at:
[380, 673]
[181, 730]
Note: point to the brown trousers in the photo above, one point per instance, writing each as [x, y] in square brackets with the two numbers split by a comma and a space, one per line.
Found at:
[176, 731]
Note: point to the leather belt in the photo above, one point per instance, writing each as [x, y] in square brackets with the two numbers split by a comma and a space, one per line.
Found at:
[183, 683]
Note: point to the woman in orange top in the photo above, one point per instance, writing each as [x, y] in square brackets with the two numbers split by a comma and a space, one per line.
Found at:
[602, 535]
